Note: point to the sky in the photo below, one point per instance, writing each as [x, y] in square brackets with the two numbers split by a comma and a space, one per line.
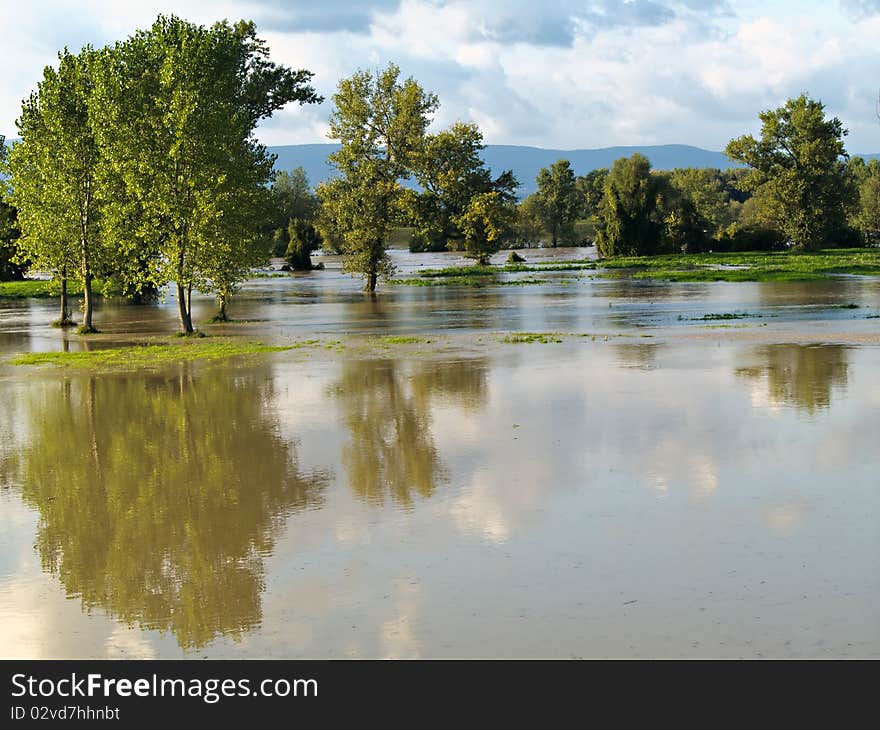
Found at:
[557, 74]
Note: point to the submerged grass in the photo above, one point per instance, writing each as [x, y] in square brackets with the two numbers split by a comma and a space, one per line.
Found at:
[147, 355]
[478, 270]
[754, 266]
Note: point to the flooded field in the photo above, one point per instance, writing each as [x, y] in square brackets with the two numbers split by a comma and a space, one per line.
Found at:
[670, 470]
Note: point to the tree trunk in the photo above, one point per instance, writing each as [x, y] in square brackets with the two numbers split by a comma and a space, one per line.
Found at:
[221, 314]
[183, 311]
[371, 281]
[87, 303]
[64, 319]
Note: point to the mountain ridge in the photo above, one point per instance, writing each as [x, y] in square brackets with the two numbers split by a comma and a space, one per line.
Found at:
[526, 161]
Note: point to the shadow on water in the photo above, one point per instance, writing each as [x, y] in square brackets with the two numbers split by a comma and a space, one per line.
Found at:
[803, 376]
[160, 496]
[387, 408]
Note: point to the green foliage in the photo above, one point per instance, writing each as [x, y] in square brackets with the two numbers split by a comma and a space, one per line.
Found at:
[56, 184]
[868, 217]
[302, 238]
[558, 201]
[488, 219]
[800, 182]
[591, 190]
[381, 124]
[630, 218]
[451, 172]
[12, 268]
[176, 111]
[292, 199]
[529, 227]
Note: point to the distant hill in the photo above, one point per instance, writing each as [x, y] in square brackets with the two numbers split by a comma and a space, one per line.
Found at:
[524, 161]
[527, 161]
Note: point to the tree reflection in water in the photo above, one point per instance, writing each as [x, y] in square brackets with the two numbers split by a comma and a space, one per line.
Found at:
[160, 495]
[803, 376]
[387, 408]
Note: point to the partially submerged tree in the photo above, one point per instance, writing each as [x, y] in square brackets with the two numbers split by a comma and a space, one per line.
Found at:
[11, 268]
[451, 172]
[798, 174]
[868, 218]
[292, 199]
[558, 201]
[629, 221]
[55, 181]
[488, 220]
[177, 115]
[380, 122]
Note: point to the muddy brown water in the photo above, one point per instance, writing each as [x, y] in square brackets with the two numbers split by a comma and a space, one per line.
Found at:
[666, 486]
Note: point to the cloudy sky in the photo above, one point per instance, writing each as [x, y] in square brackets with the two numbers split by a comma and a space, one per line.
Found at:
[559, 73]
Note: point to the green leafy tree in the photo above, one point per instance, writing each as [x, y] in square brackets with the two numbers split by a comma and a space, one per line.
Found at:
[798, 175]
[529, 228]
[705, 189]
[302, 239]
[55, 181]
[177, 113]
[10, 267]
[591, 190]
[487, 222]
[629, 221]
[380, 122]
[867, 218]
[451, 171]
[292, 198]
[558, 201]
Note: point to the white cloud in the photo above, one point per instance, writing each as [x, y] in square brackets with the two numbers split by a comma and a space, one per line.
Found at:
[563, 75]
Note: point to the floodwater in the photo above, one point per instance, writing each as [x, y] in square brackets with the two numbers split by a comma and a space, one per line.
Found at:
[667, 486]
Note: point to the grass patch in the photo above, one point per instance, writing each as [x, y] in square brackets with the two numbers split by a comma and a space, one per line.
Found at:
[147, 355]
[45, 289]
[477, 271]
[726, 316]
[755, 266]
[404, 340]
[530, 338]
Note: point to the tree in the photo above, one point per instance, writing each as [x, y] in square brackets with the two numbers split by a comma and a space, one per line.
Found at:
[292, 198]
[558, 201]
[177, 113]
[705, 189]
[10, 268]
[451, 172]
[868, 217]
[303, 238]
[529, 228]
[55, 181]
[629, 220]
[591, 189]
[381, 124]
[488, 220]
[798, 175]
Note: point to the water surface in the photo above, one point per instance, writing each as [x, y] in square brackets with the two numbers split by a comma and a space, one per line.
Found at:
[700, 491]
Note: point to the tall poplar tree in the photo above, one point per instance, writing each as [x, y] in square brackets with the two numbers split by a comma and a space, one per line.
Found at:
[558, 201]
[178, 111]
[55, 180]
[380, 122]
